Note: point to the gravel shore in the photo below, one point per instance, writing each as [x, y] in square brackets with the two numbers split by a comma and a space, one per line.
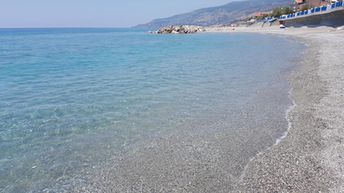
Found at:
[310, 158]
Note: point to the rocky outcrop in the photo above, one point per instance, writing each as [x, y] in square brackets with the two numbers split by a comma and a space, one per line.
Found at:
[182, 29]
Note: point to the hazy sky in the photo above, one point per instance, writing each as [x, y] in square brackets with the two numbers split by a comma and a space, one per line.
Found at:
[92, 13]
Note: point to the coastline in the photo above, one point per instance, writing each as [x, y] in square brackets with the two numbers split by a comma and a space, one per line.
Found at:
[202, 156]
[309, 158]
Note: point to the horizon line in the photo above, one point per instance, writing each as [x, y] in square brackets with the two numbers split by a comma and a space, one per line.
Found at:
[61, 27]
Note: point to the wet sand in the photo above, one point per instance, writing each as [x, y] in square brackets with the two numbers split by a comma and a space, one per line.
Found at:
[308, 159]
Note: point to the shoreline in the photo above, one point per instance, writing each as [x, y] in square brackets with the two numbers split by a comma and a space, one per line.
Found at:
[299, 161]
[192, 160]
[278, 140]
[309, 157]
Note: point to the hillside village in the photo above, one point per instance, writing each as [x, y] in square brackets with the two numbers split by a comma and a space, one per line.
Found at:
[298, 13]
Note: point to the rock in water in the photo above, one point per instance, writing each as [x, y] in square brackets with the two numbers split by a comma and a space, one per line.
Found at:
[182, 29]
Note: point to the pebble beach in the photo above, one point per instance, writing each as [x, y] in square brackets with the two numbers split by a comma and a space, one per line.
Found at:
[310, 157]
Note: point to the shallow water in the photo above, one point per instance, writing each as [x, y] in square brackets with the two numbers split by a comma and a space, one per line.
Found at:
[72, 99]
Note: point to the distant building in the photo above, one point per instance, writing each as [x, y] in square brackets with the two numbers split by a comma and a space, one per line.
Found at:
[306, 4]
[262, 14]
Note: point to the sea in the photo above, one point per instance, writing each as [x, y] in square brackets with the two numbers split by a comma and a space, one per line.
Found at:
[74, 102]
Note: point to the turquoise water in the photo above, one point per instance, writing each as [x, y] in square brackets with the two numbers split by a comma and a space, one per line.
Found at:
[72, 98]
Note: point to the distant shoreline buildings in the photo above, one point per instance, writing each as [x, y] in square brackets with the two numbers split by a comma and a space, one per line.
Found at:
[301, 5]
[315, 13]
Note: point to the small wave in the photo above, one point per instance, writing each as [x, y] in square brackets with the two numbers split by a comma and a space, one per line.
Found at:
[278, 140]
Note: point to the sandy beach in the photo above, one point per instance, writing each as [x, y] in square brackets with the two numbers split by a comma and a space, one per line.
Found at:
[310, 157]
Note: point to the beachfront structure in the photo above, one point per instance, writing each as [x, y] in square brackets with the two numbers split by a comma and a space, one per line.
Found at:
[328, 15]
[325, 8]
[306, 4]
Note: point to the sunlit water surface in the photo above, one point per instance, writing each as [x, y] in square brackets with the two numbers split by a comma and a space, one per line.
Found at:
[72, 98]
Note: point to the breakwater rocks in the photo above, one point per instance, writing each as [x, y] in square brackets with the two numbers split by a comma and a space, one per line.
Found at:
[182, 29]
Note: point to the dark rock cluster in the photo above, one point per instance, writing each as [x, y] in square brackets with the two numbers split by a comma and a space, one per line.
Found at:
[182, 29]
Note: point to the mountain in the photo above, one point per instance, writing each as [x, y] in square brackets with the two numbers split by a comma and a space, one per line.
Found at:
[225, 14]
